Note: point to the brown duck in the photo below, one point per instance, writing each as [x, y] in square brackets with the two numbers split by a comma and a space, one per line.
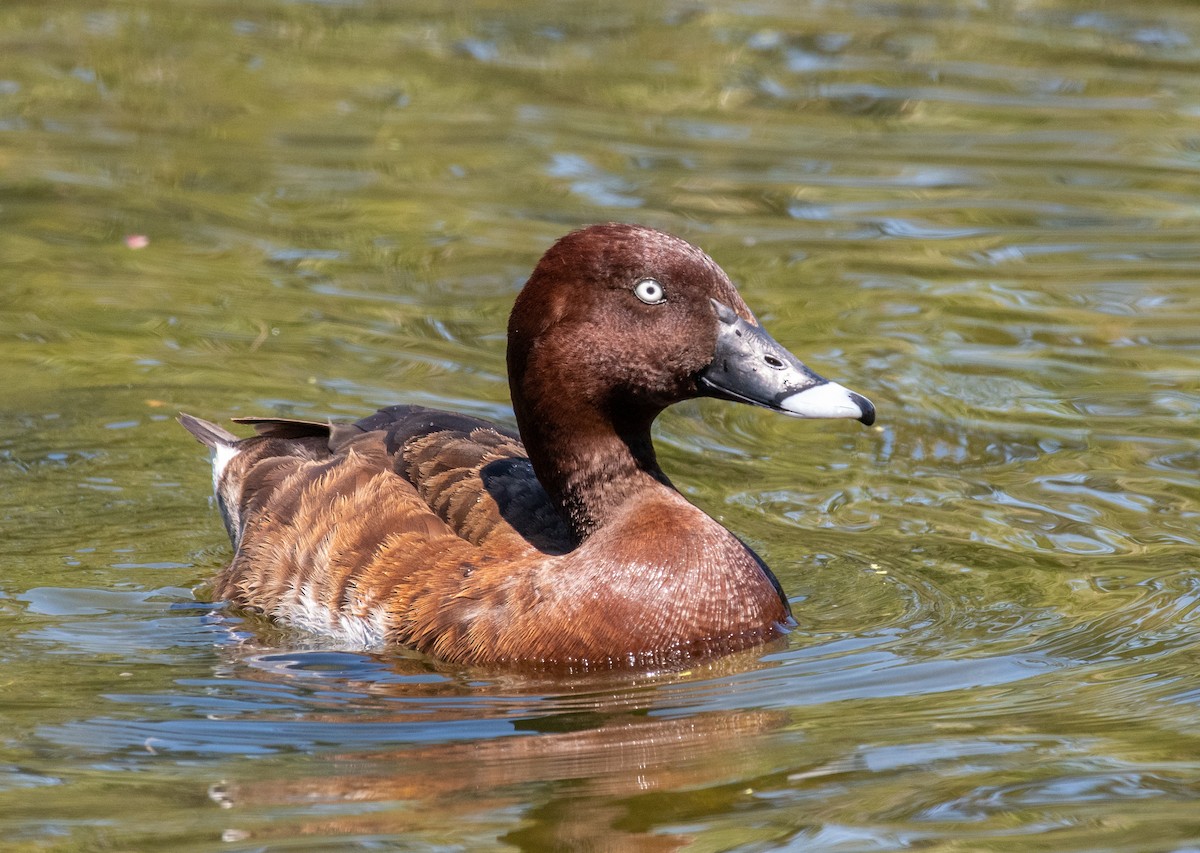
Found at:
[565, 546]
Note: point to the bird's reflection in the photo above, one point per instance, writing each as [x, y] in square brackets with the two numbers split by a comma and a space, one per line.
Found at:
[570, 769]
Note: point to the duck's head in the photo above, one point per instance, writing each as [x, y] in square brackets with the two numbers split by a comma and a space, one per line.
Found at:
[621, 321]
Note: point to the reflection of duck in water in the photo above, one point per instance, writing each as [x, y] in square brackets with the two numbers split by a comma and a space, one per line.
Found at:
[512, 762]
[565, 547]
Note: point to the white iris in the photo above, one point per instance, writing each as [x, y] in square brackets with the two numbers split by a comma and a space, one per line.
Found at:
[649, 291]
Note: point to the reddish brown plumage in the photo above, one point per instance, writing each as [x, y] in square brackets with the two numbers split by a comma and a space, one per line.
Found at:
[431, 530]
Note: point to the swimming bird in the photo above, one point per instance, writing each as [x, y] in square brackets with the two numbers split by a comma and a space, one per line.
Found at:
[561, 545]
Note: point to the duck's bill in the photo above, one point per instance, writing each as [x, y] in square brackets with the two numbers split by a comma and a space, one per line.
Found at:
[749, 366]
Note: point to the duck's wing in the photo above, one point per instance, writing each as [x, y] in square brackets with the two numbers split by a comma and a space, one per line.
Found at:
[328, 520]
[472, 474]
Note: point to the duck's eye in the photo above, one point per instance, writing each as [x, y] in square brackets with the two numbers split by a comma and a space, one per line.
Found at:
[649, 291]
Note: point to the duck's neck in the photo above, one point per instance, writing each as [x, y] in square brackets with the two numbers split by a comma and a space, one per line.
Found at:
[590, 462]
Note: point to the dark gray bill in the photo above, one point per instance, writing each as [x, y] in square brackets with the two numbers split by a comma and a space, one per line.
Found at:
[750, 366]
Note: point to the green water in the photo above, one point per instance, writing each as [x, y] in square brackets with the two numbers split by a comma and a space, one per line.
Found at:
[982, 215]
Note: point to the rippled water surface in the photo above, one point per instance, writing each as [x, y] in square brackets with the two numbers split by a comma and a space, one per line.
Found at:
[982, 215]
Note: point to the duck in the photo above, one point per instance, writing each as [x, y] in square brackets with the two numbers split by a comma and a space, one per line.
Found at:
[562, 544]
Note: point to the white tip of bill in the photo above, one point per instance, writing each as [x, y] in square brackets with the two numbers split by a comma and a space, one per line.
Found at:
[827, 400]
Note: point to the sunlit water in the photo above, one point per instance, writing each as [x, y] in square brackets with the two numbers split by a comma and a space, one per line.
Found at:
[984, 216]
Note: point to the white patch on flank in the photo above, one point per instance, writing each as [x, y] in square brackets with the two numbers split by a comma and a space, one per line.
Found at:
[302, 610]
[307, 609]
[827, 400]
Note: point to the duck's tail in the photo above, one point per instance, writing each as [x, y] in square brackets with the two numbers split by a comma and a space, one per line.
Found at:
[206, 432]
[223, 444]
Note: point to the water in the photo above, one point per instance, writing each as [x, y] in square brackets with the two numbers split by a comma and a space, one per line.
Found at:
[981, 215]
